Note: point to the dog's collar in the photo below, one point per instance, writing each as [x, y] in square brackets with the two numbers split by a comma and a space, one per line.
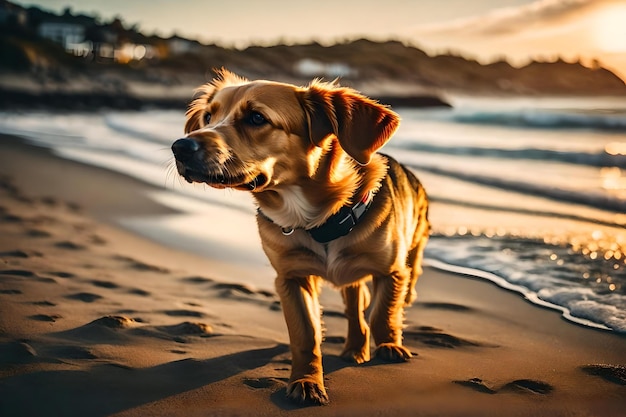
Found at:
[339, 224]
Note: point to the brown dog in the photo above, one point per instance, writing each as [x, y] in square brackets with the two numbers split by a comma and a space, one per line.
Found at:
[329, 206]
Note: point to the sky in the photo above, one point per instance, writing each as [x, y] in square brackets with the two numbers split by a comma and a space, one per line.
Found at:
[486, 30]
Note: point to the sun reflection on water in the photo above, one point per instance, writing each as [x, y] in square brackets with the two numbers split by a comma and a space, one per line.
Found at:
[596, 257]
[615, 148]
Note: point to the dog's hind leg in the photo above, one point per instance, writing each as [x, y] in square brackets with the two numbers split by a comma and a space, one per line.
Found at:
[387, 316]
[356, 298]
[299, 301]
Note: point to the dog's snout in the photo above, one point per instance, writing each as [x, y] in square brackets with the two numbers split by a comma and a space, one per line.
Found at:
[185, 148]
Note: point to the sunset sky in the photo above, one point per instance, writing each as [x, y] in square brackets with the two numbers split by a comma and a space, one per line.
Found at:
[484, 29]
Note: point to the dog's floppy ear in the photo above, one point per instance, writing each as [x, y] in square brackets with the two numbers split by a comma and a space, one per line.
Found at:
[197, 107]
[204, 95]
[361, 124]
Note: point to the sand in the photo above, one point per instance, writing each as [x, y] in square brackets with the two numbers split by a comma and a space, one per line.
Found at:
[96, 321]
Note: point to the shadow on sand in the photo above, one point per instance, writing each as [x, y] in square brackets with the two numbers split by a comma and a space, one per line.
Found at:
[106, 389]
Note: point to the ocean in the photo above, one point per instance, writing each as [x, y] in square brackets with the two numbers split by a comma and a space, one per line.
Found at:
[527, 193]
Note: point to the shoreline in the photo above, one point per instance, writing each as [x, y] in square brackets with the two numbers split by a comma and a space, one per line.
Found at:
[524, 293]
[56, 100]
[197, 339]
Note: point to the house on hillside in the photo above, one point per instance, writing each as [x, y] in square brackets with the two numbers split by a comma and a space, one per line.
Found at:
[312, 68]
[179, 46]
[100, 43]
[69, 35]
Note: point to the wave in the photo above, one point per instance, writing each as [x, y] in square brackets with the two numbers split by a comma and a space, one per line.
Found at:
[587, 290]
[596, 119]
[590, 199]
[517, 210]
[592, 321]
[597, 159]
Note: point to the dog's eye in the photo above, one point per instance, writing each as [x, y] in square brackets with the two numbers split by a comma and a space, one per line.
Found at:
[207, 118]
[256, 119]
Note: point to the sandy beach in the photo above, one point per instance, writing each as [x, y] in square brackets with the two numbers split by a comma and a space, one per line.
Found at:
[96, 321]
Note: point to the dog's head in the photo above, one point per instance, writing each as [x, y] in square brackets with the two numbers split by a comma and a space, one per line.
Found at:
[257, 135]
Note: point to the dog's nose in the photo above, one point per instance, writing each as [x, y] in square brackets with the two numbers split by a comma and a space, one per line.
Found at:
[185, 148]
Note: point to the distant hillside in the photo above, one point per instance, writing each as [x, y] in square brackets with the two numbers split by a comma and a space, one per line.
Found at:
[394, 61]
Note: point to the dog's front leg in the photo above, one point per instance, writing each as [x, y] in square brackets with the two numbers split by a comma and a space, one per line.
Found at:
[356, 298]
[299, 300]
[387, 316]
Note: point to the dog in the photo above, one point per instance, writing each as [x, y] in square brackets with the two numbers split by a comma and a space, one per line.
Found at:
[330, 207]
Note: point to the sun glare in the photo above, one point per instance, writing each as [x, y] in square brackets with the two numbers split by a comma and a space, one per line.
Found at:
[609, 28]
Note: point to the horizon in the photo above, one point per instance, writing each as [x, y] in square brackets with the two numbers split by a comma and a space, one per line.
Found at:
[519, 31]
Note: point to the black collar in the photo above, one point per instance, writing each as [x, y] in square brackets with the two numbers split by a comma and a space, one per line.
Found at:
[337, 225]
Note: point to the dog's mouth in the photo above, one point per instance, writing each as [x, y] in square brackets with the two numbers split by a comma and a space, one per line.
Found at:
[243, 182]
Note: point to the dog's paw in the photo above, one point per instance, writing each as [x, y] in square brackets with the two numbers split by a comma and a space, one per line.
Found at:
[307, 392]
[355, 355]
[390, 352]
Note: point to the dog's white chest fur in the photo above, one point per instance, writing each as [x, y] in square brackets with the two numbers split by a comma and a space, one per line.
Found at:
[296, 210]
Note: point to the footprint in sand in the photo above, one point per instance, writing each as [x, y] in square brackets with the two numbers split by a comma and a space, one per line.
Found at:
[197, 280]
[104, 284]
[44, 303]
[62, 274]
[190, 304]
[23, 273]
[10, 292]
[37, 233]
[18, 273]
[445, 306]
[519, 386]
[233, 288]
[528, 386]
[476, 384]
[85, 297]
[184, 313]
[140, 292]
[438, 338]
[140, 266]
[66, 244]
[14, 254]
[261, 383]
[612, 373]
[240, 288]
[12, 218]
[52, 318]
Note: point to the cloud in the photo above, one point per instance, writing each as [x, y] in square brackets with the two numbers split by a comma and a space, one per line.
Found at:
[510, 20]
